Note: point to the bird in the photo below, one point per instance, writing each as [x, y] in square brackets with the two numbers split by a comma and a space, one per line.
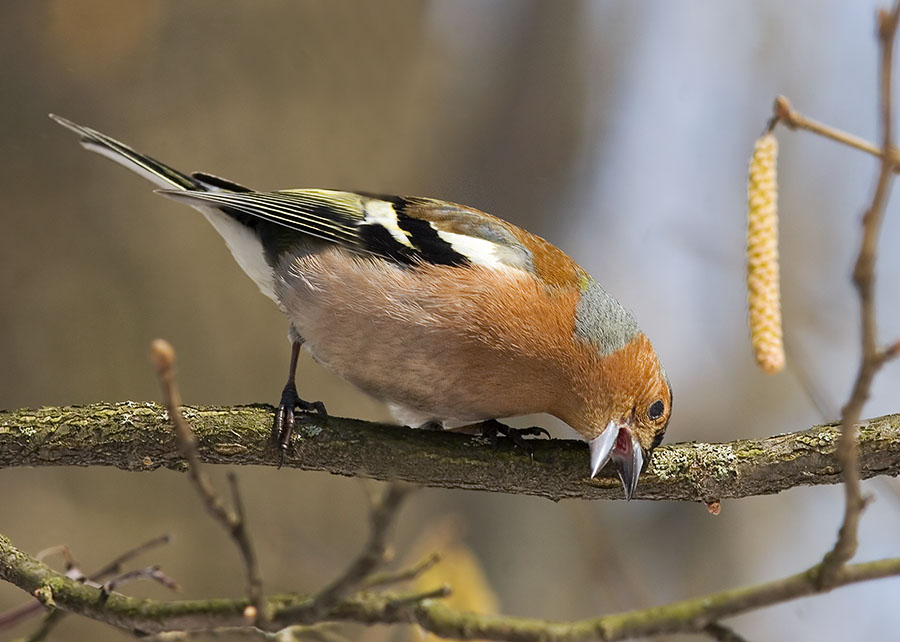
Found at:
[448, 314]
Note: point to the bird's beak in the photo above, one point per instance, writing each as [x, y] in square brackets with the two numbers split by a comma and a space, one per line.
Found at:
[617, 443]
[602, 447]
[629, 461]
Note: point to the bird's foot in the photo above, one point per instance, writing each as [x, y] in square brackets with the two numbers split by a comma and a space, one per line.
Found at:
[492, 428]
[283, 425]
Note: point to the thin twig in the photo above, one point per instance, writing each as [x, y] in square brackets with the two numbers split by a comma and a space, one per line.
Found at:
[722, 633]
[49, 623]
[411, 573]
[800, 366]
[785, 114]
[372, 555]
[13, 616]
[254, 575]
[10, 618]
[115, 565]
[421, 596]
[287, 634]
[872, 357]
[148, 573]
[163, 356]
[318, 632]
[230, 632]
[61, 550]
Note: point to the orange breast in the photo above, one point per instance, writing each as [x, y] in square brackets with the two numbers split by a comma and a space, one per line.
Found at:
[466, 343]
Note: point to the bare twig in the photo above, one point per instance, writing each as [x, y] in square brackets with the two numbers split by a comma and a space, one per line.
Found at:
[785, 114]
[24, 611]
[148, 573]
[384, 579]
[230, 632]
[254, 575]
[115, 565]
[421, 596]
[319, 633]
[872, 356]
[61, 549]
[722, 633]
[154, 616]
[372, 555]
[13, 616]
[163, 356]
[49, 622]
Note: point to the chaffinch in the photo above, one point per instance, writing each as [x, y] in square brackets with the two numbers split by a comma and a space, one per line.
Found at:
[445, 312]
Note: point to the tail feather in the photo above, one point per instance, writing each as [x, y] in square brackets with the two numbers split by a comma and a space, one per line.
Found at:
[214, 183]
[160, 174]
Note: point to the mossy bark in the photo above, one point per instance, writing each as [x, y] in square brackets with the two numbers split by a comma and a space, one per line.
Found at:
[137, 436]
[143, 616]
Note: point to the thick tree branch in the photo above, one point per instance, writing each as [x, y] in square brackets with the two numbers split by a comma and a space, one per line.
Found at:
[152, 616]
[137, 436]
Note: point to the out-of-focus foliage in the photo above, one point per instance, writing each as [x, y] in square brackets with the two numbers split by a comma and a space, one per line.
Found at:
[458, 568]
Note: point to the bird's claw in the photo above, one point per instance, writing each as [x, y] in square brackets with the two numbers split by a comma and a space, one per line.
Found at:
[284, 422]
[492, 428]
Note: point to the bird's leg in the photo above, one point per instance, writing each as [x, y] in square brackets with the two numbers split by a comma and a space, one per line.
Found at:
[283, 426]
[491, 428]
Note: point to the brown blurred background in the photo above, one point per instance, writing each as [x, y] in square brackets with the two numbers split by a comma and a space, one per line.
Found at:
[619, 131]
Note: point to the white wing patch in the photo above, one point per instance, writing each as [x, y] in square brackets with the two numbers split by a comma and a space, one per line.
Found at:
[478, 251]
[382, 213]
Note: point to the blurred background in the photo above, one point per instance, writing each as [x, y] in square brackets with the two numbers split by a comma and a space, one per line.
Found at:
[619, 131]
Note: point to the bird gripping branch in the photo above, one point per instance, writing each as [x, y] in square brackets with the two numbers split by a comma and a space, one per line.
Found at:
[445, 312]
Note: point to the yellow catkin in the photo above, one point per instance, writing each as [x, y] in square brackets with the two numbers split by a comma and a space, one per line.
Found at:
[763, 293]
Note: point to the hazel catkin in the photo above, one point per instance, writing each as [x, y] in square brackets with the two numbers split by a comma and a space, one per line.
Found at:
[763, 292]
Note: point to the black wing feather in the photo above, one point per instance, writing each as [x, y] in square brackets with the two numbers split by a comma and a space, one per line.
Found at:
[338, 217]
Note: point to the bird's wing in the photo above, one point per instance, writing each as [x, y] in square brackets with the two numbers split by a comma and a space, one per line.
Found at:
[403, 229]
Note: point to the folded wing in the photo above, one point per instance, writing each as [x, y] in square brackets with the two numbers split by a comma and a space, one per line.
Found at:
[403, 229]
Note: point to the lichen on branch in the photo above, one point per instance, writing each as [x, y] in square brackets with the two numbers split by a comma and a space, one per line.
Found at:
[151, 616]
[137, 436]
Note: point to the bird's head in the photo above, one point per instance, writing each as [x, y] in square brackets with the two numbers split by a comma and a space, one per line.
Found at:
[624, 399]
[627, 427]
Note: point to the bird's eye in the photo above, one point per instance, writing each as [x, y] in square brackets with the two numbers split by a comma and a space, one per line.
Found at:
[656, 410]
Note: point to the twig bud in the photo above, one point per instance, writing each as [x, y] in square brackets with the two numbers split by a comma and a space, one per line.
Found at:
[763, 292]
[162, 354]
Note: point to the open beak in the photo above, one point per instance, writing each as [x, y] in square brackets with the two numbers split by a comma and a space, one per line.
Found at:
[617, 443]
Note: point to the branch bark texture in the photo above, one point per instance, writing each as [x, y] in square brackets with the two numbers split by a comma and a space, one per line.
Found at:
[152, 616]
[138, 436]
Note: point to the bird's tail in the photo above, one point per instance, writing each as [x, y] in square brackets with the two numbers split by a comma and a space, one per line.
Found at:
[161, 175]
